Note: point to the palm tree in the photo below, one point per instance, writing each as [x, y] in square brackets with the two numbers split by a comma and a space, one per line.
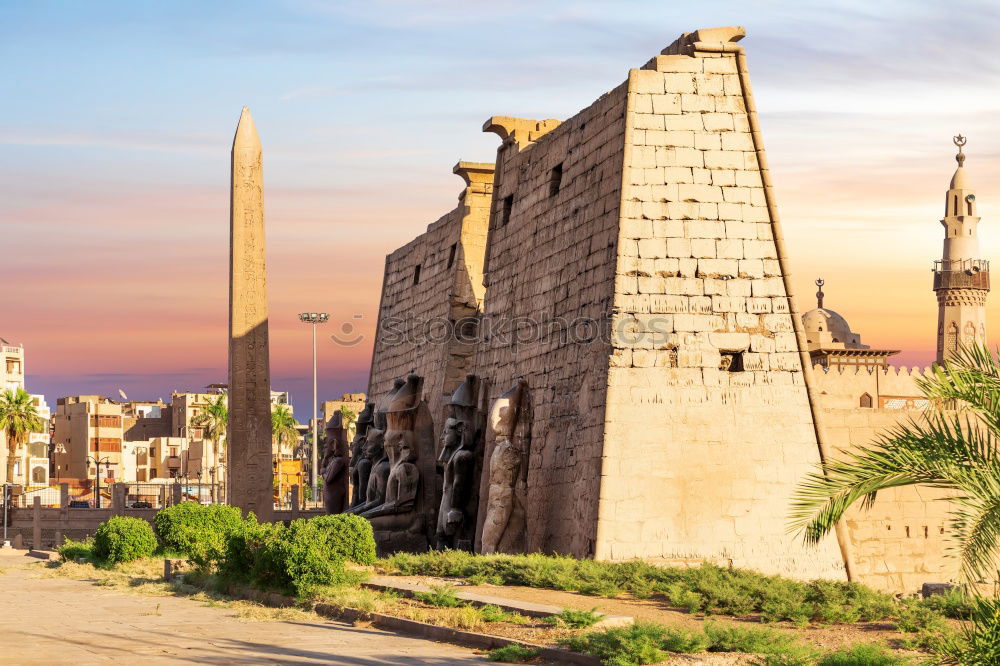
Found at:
[214, 417]
[18, 419]
[952, 446]
[953, 449]
[283, 426]
[348, 417]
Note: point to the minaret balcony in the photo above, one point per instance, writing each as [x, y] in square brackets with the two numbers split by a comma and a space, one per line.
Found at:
[962, 274]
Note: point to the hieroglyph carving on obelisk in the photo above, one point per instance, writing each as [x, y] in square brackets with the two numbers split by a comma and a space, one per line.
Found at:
[249, 432]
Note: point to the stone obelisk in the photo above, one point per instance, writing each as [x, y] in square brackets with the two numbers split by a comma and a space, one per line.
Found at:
[249, 431]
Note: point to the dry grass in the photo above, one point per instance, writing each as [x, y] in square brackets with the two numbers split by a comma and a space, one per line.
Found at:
[249, 611]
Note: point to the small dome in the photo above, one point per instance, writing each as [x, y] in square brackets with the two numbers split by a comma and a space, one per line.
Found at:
[828, 321]
[960, 180]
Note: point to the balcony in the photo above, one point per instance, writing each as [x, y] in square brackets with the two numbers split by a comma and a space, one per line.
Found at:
[174, 462]
[965, 279]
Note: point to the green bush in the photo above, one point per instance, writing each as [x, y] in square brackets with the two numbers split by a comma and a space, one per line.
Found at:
[954, 603]
[512, 654]
[349, 537]
[640, 643]
[979, 643]
[864, 654]
[756, 640]
[575, 619]
[297, 558]
[71, 550]
[123, 539]
[915, 617]
[197, 531]
[493, 613]
[442, 596]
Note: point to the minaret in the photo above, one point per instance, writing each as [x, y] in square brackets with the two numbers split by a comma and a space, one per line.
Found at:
[961, 279]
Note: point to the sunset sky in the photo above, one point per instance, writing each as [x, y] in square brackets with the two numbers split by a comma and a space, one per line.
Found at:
[116, 120]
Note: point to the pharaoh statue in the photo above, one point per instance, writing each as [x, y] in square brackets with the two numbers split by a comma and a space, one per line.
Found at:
[401, 521]
[460, 437]
[334, 466]
[361, 464]
[509, 423]
[377, 455]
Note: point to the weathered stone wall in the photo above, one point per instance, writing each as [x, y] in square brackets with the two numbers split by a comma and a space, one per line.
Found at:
[550, 272]
[700, 461]
[419, 313]
[899, 543]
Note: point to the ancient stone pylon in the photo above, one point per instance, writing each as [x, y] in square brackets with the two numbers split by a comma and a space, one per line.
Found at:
[249, 430]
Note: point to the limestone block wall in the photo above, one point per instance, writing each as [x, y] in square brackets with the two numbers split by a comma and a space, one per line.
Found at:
[708, 428]
[899, 543]
[549, 278]
[431, 295]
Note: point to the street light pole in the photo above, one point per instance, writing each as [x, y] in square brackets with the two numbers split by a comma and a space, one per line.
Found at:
[314, 318]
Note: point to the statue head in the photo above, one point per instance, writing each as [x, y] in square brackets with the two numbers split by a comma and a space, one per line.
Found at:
[503, 414]
[365, 419]
[402, 447]
[375, 444]
[451, 438]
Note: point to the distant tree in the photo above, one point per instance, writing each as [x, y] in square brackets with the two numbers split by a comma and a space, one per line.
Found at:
[284, 427]
[348, 418]
[214, 417]
[18, 419]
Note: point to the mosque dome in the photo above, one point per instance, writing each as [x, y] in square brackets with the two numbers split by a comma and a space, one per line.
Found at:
[826, 329]
[825, 324]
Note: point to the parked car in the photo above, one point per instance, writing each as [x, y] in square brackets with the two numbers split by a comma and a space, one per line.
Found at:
[79, 504]
[142, 505]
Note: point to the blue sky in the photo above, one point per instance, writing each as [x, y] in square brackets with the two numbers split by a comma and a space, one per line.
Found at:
[117, 119]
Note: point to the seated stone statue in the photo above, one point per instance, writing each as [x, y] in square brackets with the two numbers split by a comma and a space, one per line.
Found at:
[401, 510]
[378, 455]
[334, 466]
[507, 469]
[361, 465]
[456, 518]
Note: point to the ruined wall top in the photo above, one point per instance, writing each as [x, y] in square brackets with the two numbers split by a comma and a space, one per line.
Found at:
[520, 130]
[685, 44]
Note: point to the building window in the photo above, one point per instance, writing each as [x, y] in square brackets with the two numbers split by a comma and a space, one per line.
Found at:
[451, 254]
[508, 205]
[555, 180]
[731, 361]
[416, 274]
[866, 401]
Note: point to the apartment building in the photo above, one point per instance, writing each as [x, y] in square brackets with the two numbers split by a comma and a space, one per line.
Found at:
[88, 429]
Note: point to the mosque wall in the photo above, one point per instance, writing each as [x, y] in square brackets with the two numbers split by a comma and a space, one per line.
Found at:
[899, 543]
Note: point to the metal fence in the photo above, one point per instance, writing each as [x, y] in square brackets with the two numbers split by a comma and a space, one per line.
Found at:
[136, 495]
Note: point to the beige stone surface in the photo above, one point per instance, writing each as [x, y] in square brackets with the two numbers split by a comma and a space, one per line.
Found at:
[433, 287]
[632, 279]
[62, 621]
[249, 432]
